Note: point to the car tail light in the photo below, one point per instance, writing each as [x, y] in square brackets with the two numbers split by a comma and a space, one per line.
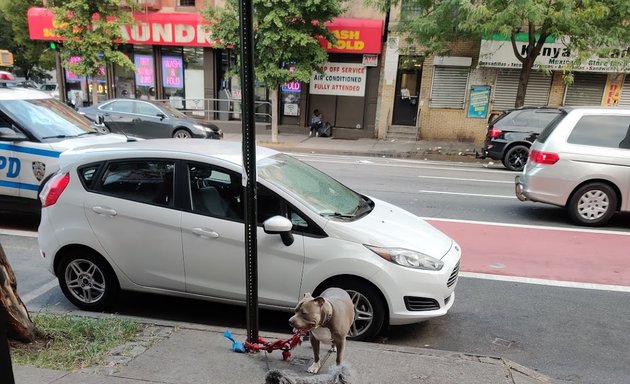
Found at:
[493, 132]
[547, 158]
[53, 189]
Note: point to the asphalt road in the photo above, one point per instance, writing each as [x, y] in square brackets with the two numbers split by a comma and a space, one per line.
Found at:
[515, 298]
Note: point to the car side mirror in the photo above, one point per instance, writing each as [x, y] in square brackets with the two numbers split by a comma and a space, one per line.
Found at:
[11, 135]
[280, 225]
[161, 116]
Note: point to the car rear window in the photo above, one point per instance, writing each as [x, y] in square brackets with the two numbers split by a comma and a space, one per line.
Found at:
[527, 120]
[602, 131]
[550, 127]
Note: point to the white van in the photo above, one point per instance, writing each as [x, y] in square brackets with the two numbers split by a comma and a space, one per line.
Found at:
[34, 129]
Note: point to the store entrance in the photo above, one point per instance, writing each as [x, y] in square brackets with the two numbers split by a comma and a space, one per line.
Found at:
[407, 95]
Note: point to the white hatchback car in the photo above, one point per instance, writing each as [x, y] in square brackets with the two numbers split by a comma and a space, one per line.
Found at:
[166, 216]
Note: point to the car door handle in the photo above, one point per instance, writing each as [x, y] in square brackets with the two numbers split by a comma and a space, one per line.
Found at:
[104, 211]
[205, 233]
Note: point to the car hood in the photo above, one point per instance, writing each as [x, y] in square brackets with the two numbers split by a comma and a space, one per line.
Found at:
[88, 140]
[391, 226]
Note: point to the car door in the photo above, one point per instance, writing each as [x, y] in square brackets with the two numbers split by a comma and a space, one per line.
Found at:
[118, 116]
[151, 122]
[213, 236]
[131, 211]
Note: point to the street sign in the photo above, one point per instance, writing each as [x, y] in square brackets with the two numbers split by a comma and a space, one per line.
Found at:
[6, 58]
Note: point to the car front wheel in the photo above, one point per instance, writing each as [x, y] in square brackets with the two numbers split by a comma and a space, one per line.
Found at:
[87, 280]
[182, 134]
[593, 204]
[516, 157]
[369, 309]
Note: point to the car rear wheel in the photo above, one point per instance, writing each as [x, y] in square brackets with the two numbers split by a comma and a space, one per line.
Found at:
[369, 309]
[593, 204]
[182, 134]
[87, 280]
[516, 157]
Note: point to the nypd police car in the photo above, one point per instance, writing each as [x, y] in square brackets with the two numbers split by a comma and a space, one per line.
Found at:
[34, 129]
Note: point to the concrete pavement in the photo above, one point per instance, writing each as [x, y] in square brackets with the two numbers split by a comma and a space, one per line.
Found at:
[193, 354]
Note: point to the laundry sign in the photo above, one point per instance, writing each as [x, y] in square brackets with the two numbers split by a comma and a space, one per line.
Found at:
[340, 79]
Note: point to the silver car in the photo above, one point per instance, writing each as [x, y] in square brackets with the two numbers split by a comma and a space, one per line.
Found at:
[581, 161]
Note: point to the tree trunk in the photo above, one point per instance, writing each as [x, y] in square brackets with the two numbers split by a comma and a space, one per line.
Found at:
[21, 327]
[274, 115]
[94, 91]
[523, 80]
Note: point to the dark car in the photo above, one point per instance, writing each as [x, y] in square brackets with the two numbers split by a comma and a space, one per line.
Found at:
[510, 135]
[149, 119]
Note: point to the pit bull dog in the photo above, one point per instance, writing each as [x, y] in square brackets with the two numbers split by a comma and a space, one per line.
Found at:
[328, 317]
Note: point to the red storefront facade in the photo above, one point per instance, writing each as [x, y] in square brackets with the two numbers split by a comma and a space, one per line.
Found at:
[175, 59]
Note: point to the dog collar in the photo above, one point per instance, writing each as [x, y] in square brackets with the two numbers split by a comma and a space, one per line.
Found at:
[328, 317]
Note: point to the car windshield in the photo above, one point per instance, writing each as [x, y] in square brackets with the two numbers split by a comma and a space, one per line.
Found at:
[322, 193]
[46, 118]
[48, 87]
[172, 112]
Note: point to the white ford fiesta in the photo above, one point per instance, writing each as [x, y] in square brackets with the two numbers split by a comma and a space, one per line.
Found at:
[166, 216]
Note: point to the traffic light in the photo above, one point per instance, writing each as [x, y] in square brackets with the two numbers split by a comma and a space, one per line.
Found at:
[55, 45]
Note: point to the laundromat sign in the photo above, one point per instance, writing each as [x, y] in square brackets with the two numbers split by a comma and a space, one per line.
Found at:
[354, 36]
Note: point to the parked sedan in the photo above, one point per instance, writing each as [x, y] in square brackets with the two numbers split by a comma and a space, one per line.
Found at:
[149, 119]
[166, 216]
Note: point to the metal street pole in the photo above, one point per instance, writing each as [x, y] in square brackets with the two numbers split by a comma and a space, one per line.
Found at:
[249, 166]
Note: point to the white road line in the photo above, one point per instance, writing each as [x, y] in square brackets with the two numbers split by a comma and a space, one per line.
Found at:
[461, 179]
[553, 283]
[17, 232]
[566, 229]
[466, 194]
[39, 291]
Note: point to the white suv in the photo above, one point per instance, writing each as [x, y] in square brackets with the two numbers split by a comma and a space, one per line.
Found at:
[581, 161]
[34, 129]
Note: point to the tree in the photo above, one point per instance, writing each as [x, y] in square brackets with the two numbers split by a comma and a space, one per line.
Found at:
[591, 26]
[91, 32]
[285, 41]
[31, 58]
[20, 325]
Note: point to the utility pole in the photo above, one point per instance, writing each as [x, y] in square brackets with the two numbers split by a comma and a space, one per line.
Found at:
[249, 166]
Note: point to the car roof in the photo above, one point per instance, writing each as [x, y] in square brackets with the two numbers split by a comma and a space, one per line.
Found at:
[19, 93]
[596, 108]
[228, 151]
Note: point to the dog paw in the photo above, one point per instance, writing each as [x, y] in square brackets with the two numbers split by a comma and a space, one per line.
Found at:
[333, 348]
[314, 368]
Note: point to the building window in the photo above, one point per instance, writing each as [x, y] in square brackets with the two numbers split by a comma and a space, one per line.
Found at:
[186, 3]
[410, 9]
[448, 88]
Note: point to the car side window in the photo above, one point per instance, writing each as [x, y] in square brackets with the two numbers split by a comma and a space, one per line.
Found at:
[602, 131]
[119, 106]
[270, 204]
[87, 173]
[215, 192]
[144, 181]
[147, 109]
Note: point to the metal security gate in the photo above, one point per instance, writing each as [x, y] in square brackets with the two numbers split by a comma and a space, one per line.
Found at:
[624, 100]
[587, 89]
[506, 86]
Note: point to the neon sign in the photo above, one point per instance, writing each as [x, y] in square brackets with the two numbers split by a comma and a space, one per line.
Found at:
[145, 74]
[173, 72]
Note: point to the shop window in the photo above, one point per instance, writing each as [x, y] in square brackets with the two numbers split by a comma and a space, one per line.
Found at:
[172, 65]
[145, 73]
[448, 88]
[186, 3]
[194, 85]
[124, 77]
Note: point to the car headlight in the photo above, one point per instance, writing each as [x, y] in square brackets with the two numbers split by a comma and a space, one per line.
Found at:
[199, 127]
[408, 258]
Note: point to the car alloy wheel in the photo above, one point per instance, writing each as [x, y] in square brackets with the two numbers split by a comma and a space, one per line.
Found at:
[87, 280]
[369, 315]
[182, 134]
[516, 157]
[593, 204]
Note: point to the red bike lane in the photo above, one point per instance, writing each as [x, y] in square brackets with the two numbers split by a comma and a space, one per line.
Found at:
[575, 255]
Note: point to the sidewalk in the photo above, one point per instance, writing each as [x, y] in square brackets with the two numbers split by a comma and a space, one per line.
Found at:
[192, 354]
[295, 142]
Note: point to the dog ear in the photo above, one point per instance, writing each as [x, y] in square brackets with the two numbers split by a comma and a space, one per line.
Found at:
[319, 300]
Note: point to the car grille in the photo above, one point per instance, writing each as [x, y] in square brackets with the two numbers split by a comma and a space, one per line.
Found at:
[421, 304]
[453, 277]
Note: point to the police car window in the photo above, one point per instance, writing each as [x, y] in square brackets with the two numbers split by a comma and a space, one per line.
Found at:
[46, 118]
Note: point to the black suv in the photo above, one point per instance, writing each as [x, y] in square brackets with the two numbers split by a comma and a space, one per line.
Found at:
[510, 135]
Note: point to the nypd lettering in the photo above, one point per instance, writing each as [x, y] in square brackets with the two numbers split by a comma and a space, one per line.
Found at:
[10, 167]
